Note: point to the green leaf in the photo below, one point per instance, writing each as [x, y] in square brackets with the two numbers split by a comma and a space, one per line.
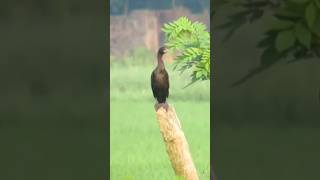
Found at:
[207, 66]
[287, 12]
[281, 24]
[198, 74]
[303, 35]
[311, 14]
[284, 40]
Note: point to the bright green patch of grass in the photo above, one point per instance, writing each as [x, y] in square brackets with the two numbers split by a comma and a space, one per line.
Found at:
[137, 148]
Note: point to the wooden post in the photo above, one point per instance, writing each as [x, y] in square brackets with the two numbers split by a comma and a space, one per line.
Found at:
[176, 143]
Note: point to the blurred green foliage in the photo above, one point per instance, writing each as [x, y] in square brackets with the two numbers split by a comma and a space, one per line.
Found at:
[292, 33]
[191, 41]
[136, 57]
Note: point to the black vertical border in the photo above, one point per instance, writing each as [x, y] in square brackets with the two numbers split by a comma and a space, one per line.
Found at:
[108, 85]
[212, 127]
[18, 152]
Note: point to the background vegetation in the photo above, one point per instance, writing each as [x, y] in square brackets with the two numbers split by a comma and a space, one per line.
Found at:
[292, 31]
[137, 148]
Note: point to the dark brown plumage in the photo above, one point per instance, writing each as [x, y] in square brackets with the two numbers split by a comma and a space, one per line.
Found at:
[160, 79]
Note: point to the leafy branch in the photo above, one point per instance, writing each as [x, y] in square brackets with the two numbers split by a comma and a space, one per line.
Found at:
[294, 32]
[191, 41]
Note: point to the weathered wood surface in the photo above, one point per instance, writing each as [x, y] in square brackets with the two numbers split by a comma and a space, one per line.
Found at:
[175, 141]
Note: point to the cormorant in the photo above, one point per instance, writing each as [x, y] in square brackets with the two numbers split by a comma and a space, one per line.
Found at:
[160, 79]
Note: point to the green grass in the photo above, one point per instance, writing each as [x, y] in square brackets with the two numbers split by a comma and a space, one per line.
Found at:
[137, 149]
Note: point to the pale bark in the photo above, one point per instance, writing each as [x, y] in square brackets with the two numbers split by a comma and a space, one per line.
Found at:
[175, 141]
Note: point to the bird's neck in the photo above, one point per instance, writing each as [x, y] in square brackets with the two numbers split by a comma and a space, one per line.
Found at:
[160, 61]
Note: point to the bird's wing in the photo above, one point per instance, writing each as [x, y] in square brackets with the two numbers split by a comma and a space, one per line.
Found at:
[166, 76]
[153, 86]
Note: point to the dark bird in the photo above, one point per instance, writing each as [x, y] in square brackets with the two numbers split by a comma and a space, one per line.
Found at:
[160, 79]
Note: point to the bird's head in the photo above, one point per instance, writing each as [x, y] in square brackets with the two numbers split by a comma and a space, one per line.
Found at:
[162, 50]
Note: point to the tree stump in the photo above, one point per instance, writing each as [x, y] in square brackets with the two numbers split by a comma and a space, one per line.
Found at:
[175, 141]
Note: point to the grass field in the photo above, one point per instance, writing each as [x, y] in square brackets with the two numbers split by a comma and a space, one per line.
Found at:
[137, 149]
